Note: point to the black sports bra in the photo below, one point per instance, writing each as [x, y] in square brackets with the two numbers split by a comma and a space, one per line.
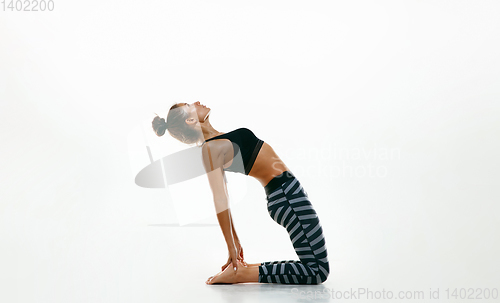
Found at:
[244, 143]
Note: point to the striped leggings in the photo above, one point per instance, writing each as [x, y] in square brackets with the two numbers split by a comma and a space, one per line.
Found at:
[288, 204]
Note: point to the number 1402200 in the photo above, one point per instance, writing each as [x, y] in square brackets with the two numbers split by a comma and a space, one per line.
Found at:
[28, 5]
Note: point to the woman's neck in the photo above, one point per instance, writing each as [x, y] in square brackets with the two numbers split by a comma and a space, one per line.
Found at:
[208, 130]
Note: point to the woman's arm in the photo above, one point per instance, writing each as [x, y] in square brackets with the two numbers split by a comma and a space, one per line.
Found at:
[213, 160]
[235, 236]
[224, 218]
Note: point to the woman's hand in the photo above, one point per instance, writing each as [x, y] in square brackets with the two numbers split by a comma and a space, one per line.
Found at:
[238, 256]
[231, 260]
[239, 252]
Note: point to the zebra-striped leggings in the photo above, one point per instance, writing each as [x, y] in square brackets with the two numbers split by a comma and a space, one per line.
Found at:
[288, 204]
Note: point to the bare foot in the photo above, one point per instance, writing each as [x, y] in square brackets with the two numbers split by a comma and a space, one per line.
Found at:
[244, 274]
[227, 276]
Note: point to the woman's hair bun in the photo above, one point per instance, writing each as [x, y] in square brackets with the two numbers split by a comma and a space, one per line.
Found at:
[159, 126]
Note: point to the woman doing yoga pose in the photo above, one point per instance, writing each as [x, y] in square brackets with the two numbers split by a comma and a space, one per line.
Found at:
[287, 201]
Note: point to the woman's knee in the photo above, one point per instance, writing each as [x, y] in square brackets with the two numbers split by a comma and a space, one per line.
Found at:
[323, 273]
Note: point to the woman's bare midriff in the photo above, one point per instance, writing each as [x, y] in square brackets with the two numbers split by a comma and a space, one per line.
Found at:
[267, 165]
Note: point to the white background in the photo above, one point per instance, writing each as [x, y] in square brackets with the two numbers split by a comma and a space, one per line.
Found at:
[417, 79]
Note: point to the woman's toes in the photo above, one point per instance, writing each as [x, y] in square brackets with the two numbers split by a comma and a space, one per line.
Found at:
[216, 279]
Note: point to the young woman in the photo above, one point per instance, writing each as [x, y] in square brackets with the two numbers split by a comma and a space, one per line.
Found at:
[287, 201]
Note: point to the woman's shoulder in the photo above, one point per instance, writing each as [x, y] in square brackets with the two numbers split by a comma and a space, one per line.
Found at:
[218, 145]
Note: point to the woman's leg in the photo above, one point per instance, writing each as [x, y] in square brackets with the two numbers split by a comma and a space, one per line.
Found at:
[290, 207]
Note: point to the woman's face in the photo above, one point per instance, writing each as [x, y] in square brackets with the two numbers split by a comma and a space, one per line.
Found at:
[196, 109]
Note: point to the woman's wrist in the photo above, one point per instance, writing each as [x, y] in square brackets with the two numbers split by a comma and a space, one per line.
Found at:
[232, 249]
[232, 244]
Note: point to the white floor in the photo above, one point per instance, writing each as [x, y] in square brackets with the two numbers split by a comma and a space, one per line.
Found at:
[113, 252]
